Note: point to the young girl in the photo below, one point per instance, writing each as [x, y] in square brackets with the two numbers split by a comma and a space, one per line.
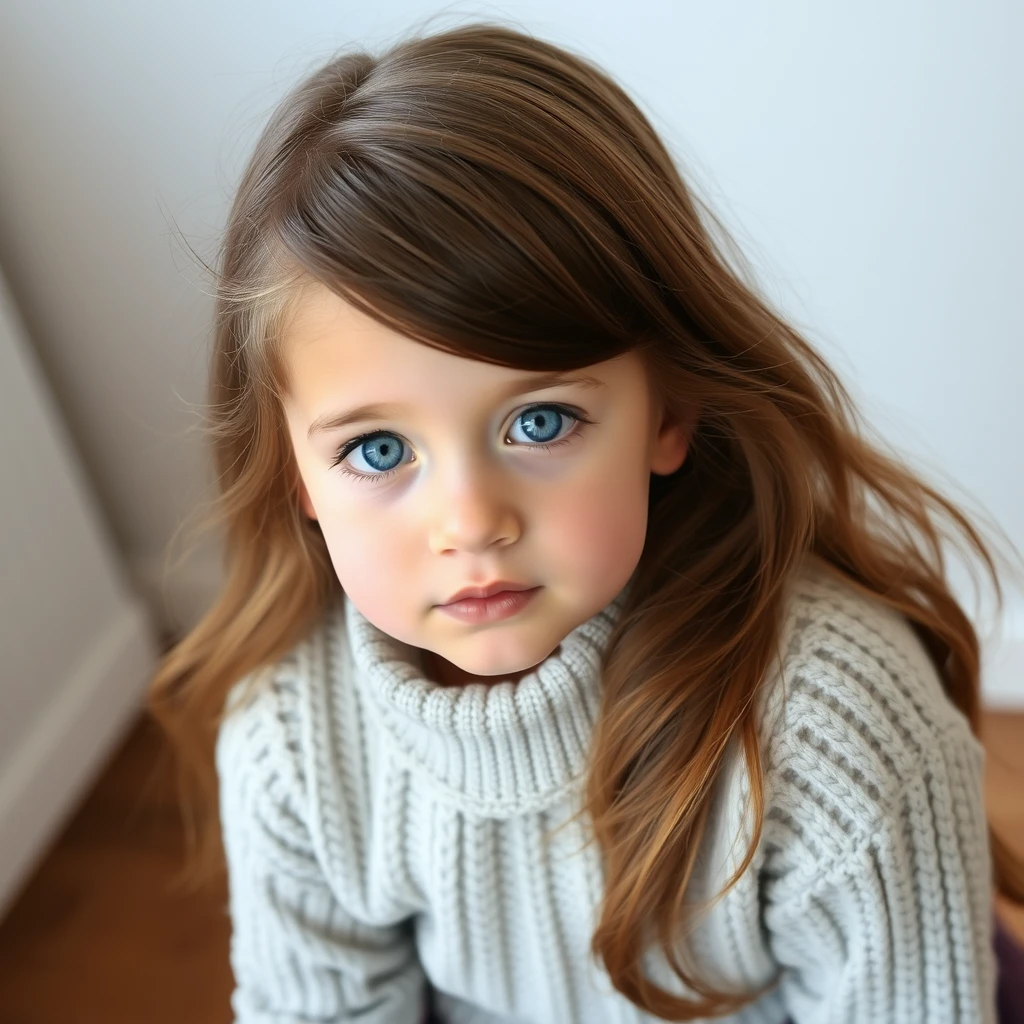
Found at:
[710, 751]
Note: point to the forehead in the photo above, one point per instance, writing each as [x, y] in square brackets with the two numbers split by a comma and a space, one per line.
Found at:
[329, 338]
[333, 351]
[324, 326]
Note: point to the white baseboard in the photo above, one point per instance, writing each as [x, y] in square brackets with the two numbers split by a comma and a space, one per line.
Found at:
[59, 758]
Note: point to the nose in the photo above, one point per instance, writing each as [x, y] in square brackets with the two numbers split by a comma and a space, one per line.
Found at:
[473, 511]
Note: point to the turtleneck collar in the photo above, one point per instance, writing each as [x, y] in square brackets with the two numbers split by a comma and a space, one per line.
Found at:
[496, 749]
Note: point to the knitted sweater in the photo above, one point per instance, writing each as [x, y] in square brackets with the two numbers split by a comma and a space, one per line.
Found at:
[384, 833]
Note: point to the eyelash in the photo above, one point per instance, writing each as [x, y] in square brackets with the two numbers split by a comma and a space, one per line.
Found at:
[350, 446]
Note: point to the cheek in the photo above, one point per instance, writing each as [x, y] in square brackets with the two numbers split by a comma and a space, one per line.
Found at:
[373, 565]
[602, 524]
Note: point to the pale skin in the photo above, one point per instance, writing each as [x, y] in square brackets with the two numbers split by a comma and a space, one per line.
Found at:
[472, 497]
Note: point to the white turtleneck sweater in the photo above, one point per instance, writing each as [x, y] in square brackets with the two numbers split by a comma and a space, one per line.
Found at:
[384, 833]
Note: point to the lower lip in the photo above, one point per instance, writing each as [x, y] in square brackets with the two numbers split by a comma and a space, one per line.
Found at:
[489, 609]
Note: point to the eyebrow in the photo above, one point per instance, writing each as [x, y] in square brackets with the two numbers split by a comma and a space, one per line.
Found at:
[379, 411]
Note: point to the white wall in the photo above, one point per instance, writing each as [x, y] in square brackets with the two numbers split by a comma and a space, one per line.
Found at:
[869, 156]
[76, 645]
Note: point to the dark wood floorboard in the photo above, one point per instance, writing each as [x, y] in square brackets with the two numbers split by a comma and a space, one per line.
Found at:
[100, 936]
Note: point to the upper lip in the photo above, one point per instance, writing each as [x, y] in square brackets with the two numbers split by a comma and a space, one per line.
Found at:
[488, 590]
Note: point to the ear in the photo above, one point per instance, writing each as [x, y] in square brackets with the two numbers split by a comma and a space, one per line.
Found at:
[673, 442]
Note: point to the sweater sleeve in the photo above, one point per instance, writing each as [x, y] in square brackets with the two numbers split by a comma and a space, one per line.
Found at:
[898, 926]
[297, 954]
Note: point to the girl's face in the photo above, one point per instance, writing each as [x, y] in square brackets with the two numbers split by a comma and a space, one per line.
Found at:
[452, 488]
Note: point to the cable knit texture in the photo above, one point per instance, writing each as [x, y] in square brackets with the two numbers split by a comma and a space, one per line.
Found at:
[384, 833]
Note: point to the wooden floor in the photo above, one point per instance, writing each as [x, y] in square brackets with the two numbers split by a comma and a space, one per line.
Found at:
[98, 936]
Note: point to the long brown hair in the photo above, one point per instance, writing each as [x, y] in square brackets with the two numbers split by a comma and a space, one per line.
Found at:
[498, 197]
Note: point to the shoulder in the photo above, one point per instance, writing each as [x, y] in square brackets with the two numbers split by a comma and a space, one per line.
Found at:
[260, 766]
[264, 741]
[855, 723]
[295, 754]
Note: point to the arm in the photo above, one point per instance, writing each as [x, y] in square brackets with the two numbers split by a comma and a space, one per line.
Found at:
[296, 953]
[898, 928]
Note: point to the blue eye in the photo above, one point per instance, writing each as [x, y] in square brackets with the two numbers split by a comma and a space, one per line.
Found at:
[382, 449]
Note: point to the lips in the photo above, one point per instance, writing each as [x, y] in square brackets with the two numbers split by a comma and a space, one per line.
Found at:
[488, 591]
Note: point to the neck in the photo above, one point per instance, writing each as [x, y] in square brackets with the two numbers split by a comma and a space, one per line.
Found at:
[441, 671]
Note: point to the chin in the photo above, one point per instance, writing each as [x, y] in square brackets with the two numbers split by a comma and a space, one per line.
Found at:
[447, 673]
